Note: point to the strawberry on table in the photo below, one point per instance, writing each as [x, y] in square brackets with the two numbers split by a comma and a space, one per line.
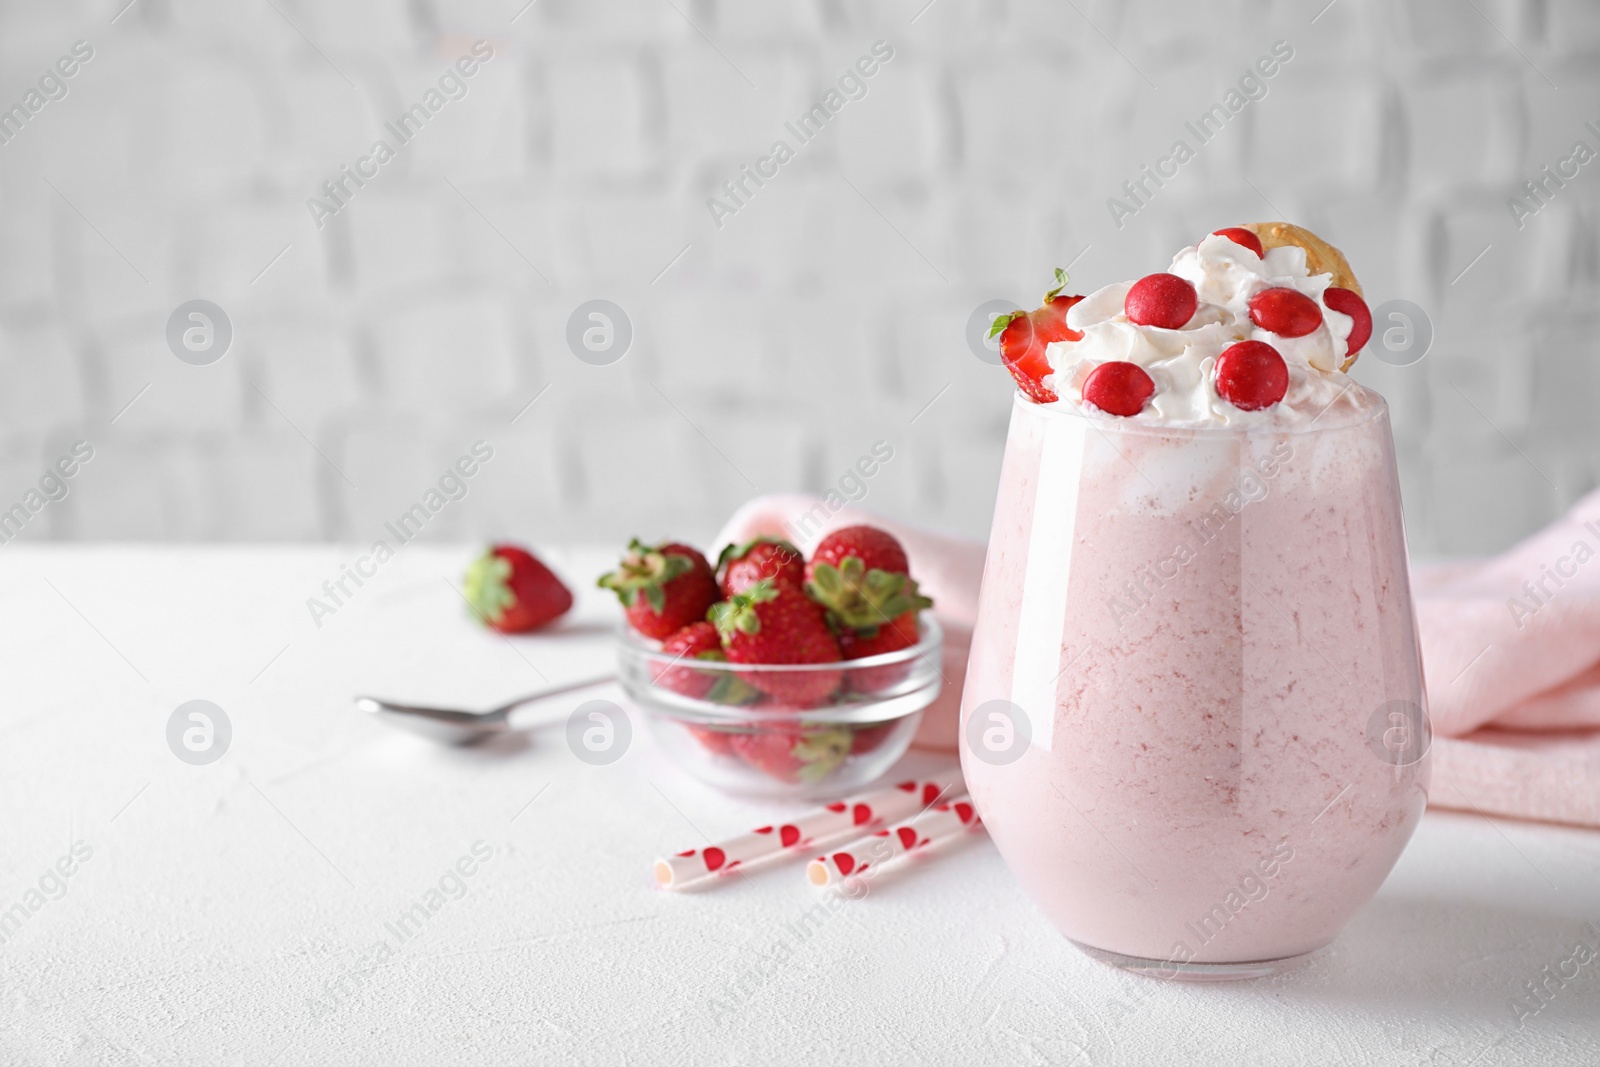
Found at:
[742, 566]
[512, 591]
[779, 625]
[1024, 335]
[795, 754]
[663, 587]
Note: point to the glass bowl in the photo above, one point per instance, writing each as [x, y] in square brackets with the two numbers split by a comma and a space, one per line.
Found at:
[820, 729]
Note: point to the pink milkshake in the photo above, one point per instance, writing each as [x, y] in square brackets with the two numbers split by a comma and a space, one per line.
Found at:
[1193, 718]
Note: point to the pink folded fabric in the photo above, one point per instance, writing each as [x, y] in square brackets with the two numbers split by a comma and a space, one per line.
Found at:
[1511, 651]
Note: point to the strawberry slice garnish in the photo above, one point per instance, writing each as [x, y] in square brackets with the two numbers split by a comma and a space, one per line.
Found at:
[1241, 236]
[1025, 334]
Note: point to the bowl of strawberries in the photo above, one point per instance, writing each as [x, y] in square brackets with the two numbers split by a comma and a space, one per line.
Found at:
[772, 674]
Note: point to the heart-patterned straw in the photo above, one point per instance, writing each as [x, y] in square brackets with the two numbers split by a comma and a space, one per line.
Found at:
[835, 822]
[939, 823]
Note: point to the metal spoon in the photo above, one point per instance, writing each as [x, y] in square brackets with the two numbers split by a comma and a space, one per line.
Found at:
[456, 726]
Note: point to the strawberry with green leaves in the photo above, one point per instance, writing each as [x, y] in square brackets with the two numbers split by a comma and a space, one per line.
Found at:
[699, 641]
[742, 566]
[663, 587]
[778, 625]
[512, 591]
[1024, 335]
[861, 575]
[797, 754]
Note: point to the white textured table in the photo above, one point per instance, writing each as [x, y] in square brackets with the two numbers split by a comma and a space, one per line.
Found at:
[232, 913]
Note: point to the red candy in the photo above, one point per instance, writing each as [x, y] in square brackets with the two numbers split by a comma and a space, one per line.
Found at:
[1285, 312]
[1118, 388]
[1163, 300]
[1346, 302]
[1251, 375]
[1241, 236]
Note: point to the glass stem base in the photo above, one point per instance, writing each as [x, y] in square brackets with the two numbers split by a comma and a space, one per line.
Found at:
[1172, 970]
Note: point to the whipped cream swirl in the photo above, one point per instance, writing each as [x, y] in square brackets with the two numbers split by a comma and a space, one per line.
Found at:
[1226, 276]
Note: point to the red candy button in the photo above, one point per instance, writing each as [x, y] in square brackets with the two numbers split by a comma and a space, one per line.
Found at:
[1346, 302]
[1118, 388]
[1241, 236]
[1285, 312]
[1251, 375]
[1163, 300]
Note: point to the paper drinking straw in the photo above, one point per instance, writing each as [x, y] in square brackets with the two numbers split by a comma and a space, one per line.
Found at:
[837, 821]
[939, 823]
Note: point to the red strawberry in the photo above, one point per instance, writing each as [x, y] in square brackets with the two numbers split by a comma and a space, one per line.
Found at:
[778, 624]
[700, 641]
[861, 575]
[742, 566]
[900, 632]
[864, 739]
[717, 742]
[511, 591]
[663, 588]
[795, 754]
[1349, 302]
[1024, 335]
[1241, 236]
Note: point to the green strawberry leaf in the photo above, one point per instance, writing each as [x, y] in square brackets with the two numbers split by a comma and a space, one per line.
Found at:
[998, 326]
[487, 587]
[738, 612]
[645, 570]
[731, 689]
[1061, 283]
[733, 551]
[820, 752]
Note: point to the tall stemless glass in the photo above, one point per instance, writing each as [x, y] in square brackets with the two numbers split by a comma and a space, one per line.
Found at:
[1194, 719]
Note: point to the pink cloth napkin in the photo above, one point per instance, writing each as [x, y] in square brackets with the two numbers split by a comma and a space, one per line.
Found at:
[1511, 651]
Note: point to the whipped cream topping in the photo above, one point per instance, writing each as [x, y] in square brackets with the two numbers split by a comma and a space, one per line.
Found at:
[1225, 276]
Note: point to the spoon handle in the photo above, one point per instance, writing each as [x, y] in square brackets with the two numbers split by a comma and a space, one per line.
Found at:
[492, 721]
[556, 690]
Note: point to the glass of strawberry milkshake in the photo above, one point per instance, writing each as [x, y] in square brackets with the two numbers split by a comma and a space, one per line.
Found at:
[1194, 718]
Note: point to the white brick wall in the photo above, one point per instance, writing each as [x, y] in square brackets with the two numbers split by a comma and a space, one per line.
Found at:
[825, 314]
